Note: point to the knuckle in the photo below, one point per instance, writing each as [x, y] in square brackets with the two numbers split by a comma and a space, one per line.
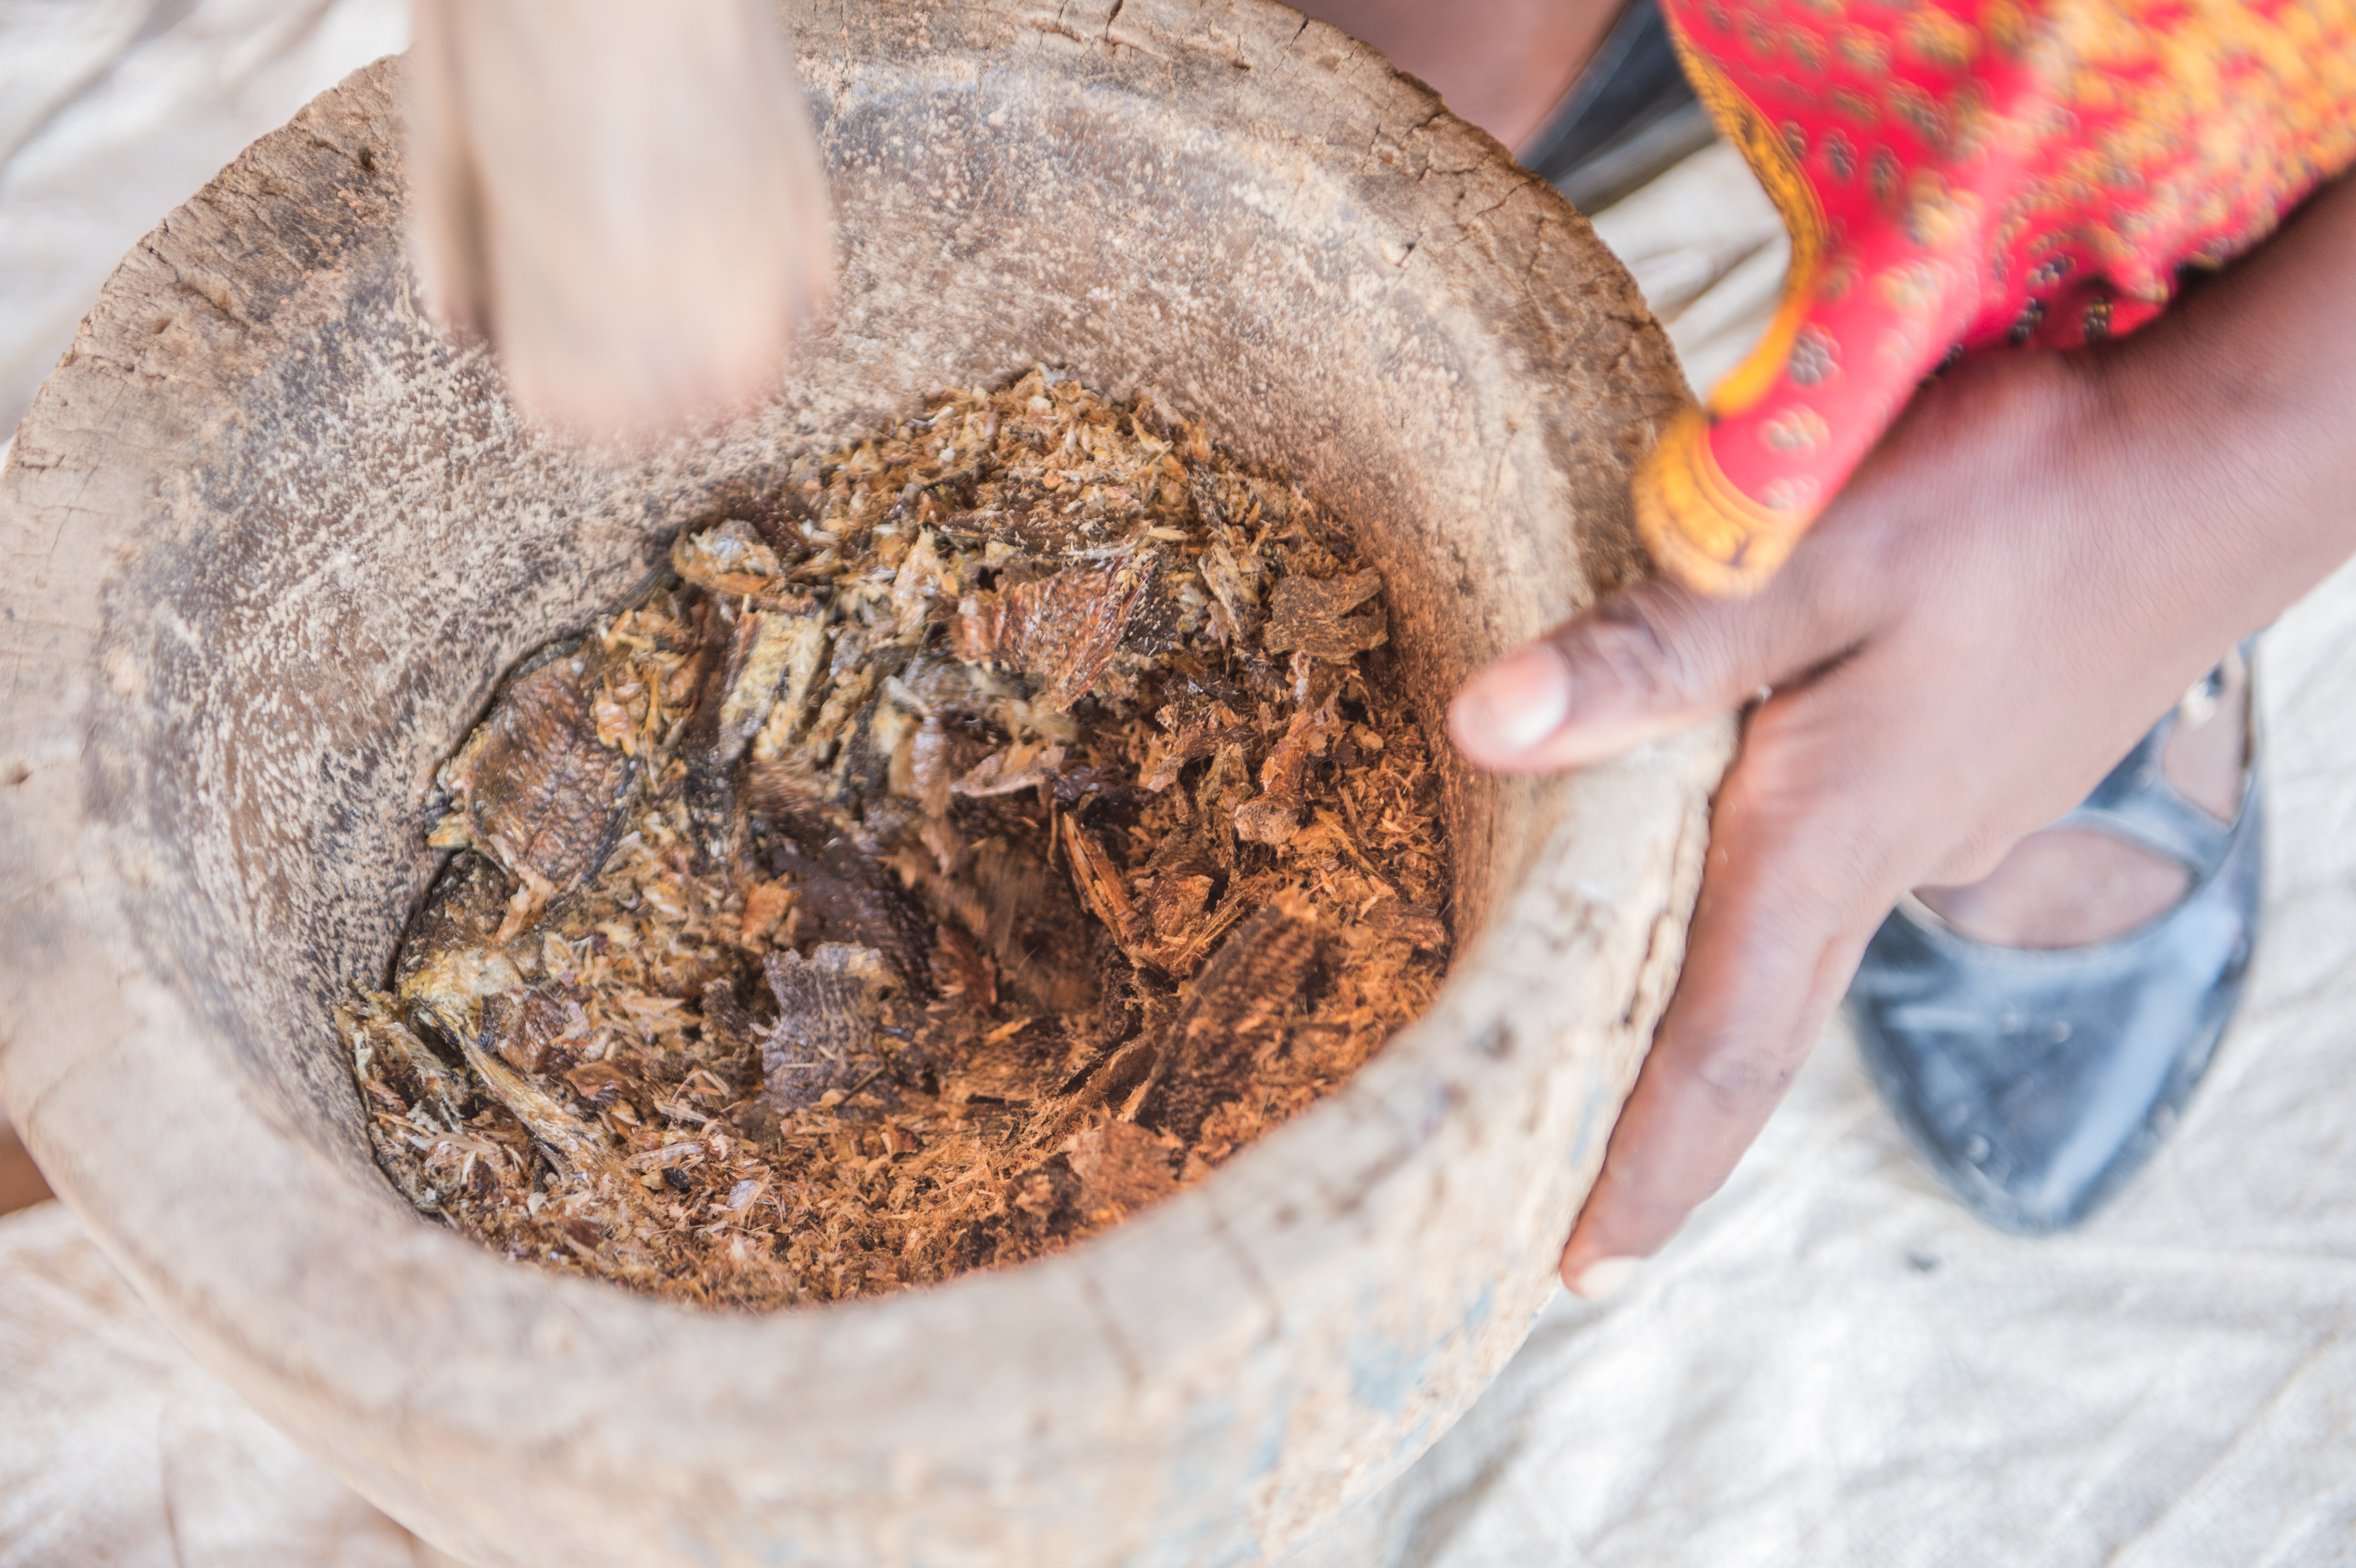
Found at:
[1741, 1082]
[1630, 643]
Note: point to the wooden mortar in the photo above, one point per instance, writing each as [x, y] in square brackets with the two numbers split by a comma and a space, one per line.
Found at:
[269, 541]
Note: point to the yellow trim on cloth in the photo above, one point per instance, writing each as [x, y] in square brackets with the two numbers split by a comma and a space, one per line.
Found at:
[1698, 526]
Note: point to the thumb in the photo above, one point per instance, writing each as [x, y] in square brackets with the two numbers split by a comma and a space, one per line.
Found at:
[1647, 662]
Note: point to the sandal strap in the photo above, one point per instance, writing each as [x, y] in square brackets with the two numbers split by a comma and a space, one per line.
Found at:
[2138, 803]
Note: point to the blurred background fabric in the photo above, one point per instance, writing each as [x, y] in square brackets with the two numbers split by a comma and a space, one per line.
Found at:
[1833, 1365]
[114, 112]
[118, 1449]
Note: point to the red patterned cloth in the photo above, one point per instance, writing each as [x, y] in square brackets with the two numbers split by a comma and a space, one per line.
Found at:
[1960, 174]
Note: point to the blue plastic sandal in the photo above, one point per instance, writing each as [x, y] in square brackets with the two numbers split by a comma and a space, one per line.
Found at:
[2036, 1081]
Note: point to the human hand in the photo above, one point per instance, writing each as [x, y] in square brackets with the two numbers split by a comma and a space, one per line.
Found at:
[2040, 557]
[622, 197]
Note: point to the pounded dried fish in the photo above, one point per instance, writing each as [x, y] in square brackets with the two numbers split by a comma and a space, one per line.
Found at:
[981, 838]
[1312, 615]
[391, 1057]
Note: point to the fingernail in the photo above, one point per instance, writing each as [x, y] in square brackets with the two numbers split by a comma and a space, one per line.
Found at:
[1604, 1275]
[1516, 702]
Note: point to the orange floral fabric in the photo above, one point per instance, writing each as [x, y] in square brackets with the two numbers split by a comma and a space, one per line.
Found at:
[1959, 175]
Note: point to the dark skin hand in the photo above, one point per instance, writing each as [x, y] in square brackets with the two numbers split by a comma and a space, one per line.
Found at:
[2040, 558]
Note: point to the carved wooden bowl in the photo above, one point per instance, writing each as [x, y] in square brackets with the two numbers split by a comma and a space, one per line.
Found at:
[268, 542]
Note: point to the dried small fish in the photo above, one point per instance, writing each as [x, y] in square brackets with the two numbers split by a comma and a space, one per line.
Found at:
[1175, 904]
[535, 787]
[763, 649]
[735, 562]
[1419, 925]
[1017, 768]
[1062, 630]
[571, 1139]
[1192, 743]
[770, 648]
[843, 895]
[1232, 575]
[1231, 1016]
[390, 1055]
[452, 957]
[806, 657]
[1100, 884]
[1274, 816]
[828, 1009]
[1025, 918]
